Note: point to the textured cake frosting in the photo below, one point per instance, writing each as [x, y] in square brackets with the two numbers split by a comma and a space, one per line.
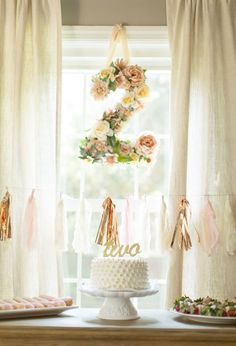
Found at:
[119, 273]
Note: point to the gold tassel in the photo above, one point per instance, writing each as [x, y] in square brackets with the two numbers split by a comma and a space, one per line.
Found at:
[108, 226]
[5, 221]
[182, 231]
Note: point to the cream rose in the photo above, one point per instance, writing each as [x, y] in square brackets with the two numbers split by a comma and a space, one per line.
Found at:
[146, 144]
[134, 74]
[108, 73]
[143, 91]
[102, 130]
[100, 145]
[128, 99]
[134, 157]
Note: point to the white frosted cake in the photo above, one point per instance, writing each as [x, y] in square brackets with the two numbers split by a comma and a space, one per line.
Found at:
[119, 273]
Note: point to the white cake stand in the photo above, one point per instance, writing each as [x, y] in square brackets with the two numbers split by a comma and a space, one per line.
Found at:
[117, 304]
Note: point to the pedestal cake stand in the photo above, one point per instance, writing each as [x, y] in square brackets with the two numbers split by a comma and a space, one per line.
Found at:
[117, 304]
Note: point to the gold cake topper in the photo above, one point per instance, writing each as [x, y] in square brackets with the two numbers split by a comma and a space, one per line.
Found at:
[108, 234]
[113, 250]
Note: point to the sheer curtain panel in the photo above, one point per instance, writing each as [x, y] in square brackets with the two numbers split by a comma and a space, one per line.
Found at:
[30, 68]
[203, 104]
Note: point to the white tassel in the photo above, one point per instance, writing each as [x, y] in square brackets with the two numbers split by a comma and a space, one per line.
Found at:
[229, 228]
[61, 235]
[162, 231]
[128, 222]
[29, 232]
[145, 228]
[82, 228]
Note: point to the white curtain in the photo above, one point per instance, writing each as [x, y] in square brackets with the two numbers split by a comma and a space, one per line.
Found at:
[30, 68]
[203, 104]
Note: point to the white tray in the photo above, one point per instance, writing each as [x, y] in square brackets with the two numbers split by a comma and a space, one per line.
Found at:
[39, 312]
[207, 319]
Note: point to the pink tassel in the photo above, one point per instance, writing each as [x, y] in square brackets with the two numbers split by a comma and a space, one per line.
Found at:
[209, 233]
[29, 225]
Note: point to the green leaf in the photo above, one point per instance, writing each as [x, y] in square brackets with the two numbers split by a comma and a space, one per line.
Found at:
[123, 159]
[112, 85]
[111, 140]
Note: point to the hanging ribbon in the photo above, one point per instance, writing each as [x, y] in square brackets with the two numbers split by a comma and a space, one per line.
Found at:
[61, 227]
[182, 230]
[108, 226]
[208, 231]
[29, 224]
[5, 220]
[118, 36]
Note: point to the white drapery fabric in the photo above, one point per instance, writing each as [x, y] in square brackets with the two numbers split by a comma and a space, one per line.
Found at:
[203, 103]
[30, 68]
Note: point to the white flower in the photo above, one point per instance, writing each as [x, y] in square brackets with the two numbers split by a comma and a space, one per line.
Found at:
[102, 130]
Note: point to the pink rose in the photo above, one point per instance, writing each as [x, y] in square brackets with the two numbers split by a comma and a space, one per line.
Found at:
[111, 159]
[146, 144]
[125, 148]
[134, 74]
[99, 89]
[121, 64]
[121, 81]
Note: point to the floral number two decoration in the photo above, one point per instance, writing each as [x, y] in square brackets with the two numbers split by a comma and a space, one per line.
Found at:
[103, 144]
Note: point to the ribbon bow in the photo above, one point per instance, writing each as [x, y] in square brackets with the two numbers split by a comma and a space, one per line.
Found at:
[108, 226]
[118, 36]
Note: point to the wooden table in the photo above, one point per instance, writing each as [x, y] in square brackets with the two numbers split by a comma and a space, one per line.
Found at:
[80, 327]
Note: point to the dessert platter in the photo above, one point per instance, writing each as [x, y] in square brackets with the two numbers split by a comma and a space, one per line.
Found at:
[34, 307]
[206, 310]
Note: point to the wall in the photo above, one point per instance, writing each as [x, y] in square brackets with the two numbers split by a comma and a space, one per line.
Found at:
[110, 12]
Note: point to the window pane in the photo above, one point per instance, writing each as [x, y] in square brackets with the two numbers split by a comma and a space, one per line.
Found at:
[102, 181]
[154, 180]
[155, 114]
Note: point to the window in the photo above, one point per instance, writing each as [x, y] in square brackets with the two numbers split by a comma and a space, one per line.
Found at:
[85, 186]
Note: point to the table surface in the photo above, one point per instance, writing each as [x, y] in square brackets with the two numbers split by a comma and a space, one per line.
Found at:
[154, 326]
